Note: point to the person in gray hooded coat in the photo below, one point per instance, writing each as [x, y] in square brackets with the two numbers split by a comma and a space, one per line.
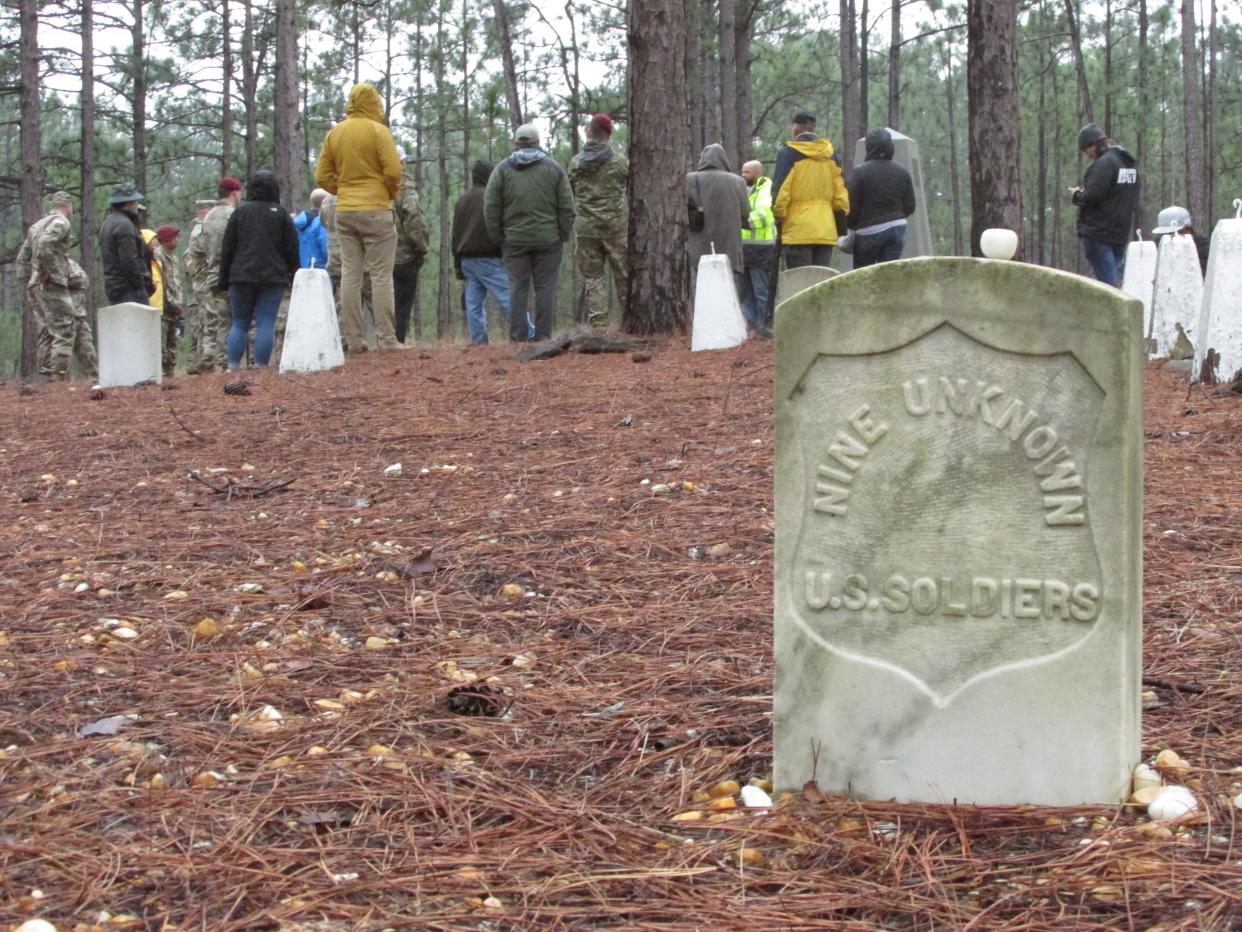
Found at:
[723, 198]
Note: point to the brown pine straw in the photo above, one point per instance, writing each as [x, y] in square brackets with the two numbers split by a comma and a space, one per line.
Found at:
[638, 672]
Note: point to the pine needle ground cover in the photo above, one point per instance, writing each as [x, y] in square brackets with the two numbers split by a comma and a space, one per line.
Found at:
[254, 675]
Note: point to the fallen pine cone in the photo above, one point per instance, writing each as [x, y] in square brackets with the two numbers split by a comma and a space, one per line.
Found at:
[476, 699]
[97, 394]
[240, 387]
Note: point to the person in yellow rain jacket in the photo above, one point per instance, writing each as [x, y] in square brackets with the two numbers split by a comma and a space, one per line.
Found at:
[809, 197]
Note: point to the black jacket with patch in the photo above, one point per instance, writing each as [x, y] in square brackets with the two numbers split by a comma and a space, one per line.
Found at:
[1109, 197]
[260, 243]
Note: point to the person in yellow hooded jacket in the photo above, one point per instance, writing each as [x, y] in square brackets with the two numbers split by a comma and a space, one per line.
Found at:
[359, 164]
[809, 197]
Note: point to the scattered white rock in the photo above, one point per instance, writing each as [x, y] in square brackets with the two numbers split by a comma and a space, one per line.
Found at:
[1145, 775]
[1172, 802]
[393, 470]
[755, 797]
[1237, 801]
[36, 925]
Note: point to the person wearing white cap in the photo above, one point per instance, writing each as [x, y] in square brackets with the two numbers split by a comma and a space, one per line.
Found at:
[1176, 220]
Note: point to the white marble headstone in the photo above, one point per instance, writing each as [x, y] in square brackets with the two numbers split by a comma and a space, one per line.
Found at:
[718, 320]
[312, 334]
[958, 567]
[1179, 294]
[1139, 280]
[130, 341]
[1220, 320]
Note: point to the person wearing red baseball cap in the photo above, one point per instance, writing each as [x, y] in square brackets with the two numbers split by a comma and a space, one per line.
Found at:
[213, 304]
[164, 251]
[600, 178]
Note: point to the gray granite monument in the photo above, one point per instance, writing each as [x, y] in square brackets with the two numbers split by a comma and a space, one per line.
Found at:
[791, 281]
[958, 535]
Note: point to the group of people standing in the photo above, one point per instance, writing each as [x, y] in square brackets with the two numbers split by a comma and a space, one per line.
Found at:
[365, 227]
[799, 215]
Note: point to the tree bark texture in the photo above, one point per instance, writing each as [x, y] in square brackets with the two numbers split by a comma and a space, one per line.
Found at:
[505, 43]
[658, 284]
[894, 66]
[31, 183]
[955, 179]
[138, 63]
[728, 80]
[851, 97]
[1087, 112]
[745, 102]
[87, 225]
[864, 71]
[1140, 144]
[290, 159]
[992, 102]
[250, 86]
[1192, 110]
[226, 93]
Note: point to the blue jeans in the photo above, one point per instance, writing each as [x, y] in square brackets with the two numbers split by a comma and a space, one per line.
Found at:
[885, 246]
[756, 271]
[1107, 260]
[484, 275]
[257, 303]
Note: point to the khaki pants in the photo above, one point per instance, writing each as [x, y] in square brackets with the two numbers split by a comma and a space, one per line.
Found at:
[368, 243]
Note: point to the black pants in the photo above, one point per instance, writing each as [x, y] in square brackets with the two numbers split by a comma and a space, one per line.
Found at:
[525, 267]
[405, 287]
[802, 254]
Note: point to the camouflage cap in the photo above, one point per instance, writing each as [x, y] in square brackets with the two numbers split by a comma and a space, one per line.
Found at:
[123, 193]
[62, 199]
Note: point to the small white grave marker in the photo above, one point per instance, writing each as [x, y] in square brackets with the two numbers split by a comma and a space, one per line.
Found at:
[1139, 279]
[129, 344]
[718, 321]
[312, 335]
[1220, 319]
[1179, 294]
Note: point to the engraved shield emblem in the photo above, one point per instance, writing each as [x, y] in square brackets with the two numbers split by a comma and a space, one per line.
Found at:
[946, 526]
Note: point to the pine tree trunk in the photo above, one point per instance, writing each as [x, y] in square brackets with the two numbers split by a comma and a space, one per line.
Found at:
[31, 183]
[658, 292]
[1084, 87]
[138, 62]
[1108, 67]
[864, 73]
[992, 101]
[1193, 114]
[745, 100]
[850, 90]
[226, 94]
[289, 156]
[505, 42]
[693, 94]
[250, 86]
[1212, 112]
[1140, 144]
[708, 86]
[955, 174]
[86, 208]
[894, 67]
[728, 80]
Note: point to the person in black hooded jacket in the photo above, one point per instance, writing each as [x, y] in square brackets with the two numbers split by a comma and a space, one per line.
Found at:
[881, 199]
[1106, 202]
[258, 259]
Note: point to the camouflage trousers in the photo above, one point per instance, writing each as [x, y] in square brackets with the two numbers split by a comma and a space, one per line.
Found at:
[595, 255]
[64, 331]
[215, 318]
[168, 348]
[194, 327]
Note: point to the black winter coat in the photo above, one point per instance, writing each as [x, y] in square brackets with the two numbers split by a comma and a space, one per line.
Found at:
[126, 261]
[880, 189]
[1109, 197]
[260, 243]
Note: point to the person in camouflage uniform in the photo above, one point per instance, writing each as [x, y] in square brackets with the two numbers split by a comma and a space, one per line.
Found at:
[599, 178]
[192, 312]
[166, 257]
[51, 279]
[214, 303]
[411, 248]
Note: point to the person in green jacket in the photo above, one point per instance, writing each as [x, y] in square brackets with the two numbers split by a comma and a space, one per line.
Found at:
[529, 210]
[600, 179]
[758, 246]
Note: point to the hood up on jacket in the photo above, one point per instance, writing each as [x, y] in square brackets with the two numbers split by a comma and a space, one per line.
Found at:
[595, 152]
[1127, 159]
[263, 187]
[526, 156]
[879, 145]
[714, 158]
[480, 171]
[364, 101]
[819, 150]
